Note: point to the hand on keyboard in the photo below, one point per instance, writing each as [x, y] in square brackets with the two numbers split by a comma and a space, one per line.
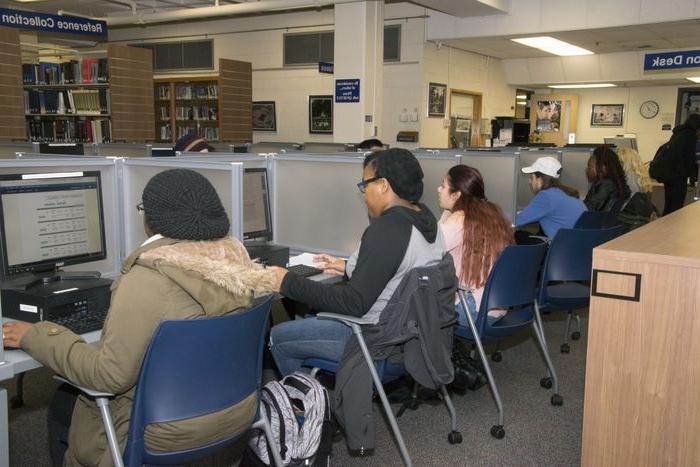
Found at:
[330, 264]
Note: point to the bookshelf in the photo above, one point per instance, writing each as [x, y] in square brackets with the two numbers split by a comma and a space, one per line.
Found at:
[12, 125]
[218, 108]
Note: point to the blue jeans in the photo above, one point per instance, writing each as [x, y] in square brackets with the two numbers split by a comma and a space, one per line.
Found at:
[471, 305]
[292, 342]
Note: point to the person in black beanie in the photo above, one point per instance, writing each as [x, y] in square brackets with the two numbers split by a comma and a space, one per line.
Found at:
[191, 142]
[189, 267]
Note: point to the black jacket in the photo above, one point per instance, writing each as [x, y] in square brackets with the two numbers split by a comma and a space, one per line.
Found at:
[603, 196]
[681, 151]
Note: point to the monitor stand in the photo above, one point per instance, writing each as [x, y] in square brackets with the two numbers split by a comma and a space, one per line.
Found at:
[27, 281]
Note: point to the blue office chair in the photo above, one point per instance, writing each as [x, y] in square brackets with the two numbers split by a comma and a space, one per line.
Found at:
[511, 286]
[217, 359]
[592, 220]
[567, 271]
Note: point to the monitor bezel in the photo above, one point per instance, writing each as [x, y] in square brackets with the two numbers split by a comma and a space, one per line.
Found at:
[37, 267]
[266, 233]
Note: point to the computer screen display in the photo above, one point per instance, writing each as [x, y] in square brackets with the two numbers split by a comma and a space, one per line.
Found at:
[162, 152]
[256, 205]
[62, 148]
[621, 142]
[50, 220]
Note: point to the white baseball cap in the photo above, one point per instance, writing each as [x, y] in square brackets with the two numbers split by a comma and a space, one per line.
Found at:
[546, 165]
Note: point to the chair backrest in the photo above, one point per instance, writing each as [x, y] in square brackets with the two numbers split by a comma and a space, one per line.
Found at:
[592, 220]
[195, 367]
[512, 281]
[570, 255]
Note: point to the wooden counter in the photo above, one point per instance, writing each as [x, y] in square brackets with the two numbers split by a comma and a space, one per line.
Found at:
[642, 396]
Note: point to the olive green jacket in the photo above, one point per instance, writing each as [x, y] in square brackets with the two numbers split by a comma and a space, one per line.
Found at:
[164, 279]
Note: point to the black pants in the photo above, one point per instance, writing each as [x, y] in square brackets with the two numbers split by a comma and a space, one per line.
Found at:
[59, 417]
[674, 194]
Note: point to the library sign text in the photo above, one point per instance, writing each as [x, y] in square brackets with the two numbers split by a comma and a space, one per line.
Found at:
[671, 60]
[51, 23]
[347, 90]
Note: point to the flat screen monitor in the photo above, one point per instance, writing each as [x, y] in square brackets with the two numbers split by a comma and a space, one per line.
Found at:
[62, 148]
[50, 220]
[621, 142]
[257, 220]
[162, 152]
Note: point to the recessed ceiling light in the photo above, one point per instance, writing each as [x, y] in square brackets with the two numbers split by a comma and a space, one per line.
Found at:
[521, 96]
[694, 79]
[581, 86]
[553, 46]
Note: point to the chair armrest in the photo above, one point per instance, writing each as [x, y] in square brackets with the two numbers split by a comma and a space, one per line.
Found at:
[345, 318]
[89, 392]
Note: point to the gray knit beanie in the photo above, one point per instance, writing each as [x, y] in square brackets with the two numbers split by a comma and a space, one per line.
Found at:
[182, 204]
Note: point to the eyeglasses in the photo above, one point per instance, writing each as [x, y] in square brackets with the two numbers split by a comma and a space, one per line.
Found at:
[139, 208]
[363, 184]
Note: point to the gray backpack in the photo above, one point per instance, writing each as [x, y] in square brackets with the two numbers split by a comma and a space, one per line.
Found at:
[299, 412]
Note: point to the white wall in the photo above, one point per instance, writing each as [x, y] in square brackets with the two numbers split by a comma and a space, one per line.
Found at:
[464, 71]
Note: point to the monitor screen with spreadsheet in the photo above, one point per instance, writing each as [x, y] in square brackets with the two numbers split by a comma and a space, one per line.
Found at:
[49, 220]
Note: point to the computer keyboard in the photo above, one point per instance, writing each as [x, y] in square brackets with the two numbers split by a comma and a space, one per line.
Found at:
[83, 321]
[304, 270]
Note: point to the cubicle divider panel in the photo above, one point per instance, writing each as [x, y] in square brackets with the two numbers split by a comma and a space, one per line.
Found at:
[527, 157]
[316, 204]
[434, 170]
[43, 156]
[271, 146]
[323, 148]
[499, 171]
[226, 177]
[111, 201]
[248, 160]
[573, 170]
[123, 150]
[9, 150]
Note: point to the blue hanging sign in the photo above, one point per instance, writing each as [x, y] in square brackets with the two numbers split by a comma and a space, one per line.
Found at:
[347, 90]
[325, 67]
[671, 60]
[52, 23]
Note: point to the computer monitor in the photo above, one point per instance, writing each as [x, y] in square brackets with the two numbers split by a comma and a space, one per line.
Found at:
[621, 141]
[62, 148]
[49, 220]
[162, 152]
[257, 221]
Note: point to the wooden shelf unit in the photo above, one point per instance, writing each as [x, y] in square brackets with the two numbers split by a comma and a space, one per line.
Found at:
[172, 103]
[12, 121]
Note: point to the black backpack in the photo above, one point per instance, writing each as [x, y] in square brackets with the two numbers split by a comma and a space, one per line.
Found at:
[662, 168]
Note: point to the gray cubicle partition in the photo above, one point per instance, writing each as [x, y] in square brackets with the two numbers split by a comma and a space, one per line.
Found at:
[226, 177]
[248, 160]
[500, 173]
[9, 149]
[324, 148]
[435, 168]
[276, 147]
[316, 205]
[573, 168]
[123, 149]
[111, 201]
[39, 155]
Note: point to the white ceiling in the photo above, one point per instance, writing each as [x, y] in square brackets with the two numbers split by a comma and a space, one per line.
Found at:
[673, 35]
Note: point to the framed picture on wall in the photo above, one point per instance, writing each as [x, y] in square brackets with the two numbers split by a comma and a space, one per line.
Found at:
[437, 99]
[603, 115]
[548, 116]
[264, 118]
[688, 103]
[321, 114]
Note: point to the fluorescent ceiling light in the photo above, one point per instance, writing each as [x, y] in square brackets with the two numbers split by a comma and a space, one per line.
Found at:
[581, 86]
[694, 79]
[521, 96]
[552, 46]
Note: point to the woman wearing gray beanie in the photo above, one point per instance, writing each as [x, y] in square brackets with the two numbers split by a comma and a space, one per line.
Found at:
[189, 267]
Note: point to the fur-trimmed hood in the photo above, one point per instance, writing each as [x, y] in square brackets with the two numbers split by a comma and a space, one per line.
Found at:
[206, 270]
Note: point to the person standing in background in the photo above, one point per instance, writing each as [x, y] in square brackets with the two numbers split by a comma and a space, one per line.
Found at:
[681, 154]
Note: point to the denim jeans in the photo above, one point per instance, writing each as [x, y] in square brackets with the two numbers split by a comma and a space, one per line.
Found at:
[471, 305]
[294, 341]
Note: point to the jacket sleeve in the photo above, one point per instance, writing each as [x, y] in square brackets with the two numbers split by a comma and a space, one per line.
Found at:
[538, 208]
[598, 196]
[113, 364]
[382, 249]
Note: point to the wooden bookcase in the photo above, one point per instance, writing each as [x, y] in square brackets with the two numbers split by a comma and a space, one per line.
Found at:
[12, 125]
[223, 114]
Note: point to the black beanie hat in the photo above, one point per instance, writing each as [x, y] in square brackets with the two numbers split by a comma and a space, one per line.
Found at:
[182, 204]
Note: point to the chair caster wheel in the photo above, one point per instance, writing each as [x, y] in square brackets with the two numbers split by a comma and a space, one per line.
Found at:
[454, 437]
[557, 400]
[565, 348]
[496, 356]
[575, 335]
[16, 402]
[546, 382]
[498, 432]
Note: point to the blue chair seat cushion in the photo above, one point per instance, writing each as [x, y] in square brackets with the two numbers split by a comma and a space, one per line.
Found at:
[566, 296]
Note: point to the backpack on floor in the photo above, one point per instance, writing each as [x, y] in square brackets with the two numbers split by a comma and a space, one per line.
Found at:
[299, 412]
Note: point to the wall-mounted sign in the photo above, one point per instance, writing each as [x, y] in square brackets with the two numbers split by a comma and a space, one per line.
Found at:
[671, 60]
[52, 23]
[347, 90]
[325, 67]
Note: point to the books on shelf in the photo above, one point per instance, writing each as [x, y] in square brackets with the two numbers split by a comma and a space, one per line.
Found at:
[196, 91]
[208, 133]
[165, 112]
[85, 71]
[66, 102]
[166, 132]
[195, 112]
[164, 92]
[84, 130]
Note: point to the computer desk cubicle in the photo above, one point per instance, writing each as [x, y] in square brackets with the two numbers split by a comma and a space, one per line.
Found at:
[499, 169]
[9, 149]
[573, 168]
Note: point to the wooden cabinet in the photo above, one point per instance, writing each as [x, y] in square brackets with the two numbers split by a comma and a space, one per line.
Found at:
[642, 396]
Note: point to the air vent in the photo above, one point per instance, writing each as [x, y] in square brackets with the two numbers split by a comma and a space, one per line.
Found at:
[308, 48]
[175, 56]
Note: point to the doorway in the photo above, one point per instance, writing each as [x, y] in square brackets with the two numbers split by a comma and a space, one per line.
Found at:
[465, 119]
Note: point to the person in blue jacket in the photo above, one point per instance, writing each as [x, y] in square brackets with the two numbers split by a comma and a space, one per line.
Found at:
[555, 206]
